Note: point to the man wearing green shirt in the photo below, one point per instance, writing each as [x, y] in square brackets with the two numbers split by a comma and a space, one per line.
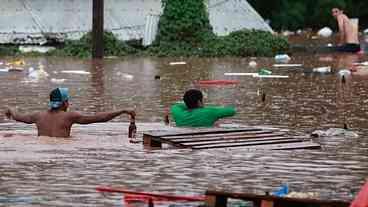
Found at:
[193, 113]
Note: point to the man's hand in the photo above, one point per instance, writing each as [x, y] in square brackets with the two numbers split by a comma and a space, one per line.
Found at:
[8, 113]
[131, 113]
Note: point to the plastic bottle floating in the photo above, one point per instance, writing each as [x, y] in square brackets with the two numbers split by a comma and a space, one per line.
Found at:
[282, 58]
[322, 69]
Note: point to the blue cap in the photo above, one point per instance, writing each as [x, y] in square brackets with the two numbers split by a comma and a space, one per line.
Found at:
[57, 97]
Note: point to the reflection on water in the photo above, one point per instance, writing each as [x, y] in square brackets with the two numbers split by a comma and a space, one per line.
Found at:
[61, 172]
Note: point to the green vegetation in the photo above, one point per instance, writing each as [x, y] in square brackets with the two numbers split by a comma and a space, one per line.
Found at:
[9, 50]
[184, 30]
[82, 48]
[300, 14]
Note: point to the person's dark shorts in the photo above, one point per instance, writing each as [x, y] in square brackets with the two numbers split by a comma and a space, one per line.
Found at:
[353, 48]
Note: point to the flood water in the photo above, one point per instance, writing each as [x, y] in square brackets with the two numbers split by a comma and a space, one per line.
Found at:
[65, 172]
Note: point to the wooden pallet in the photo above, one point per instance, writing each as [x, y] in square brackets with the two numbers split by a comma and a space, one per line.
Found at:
[254, 138]
[219, 199]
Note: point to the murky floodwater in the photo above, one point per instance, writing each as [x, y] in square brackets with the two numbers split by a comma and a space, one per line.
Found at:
[64, 172]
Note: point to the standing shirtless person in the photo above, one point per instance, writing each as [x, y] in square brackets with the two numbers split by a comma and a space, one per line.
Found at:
[348, 41]
[57, 121]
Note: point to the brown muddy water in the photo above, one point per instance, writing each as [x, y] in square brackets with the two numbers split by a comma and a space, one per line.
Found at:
[42, 171]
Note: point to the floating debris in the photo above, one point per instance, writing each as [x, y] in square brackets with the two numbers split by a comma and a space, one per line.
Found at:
[322, 69]
[264, 71]
[332, 132]
[252, 64]
[178, 63]
[361, 64]
[270, 76]
[282, 58]
[79, 72]
[240, 74]
[57, 81]
[287, 65]
[325, 32]
[344, 72]
[37, 74]
[38, 49]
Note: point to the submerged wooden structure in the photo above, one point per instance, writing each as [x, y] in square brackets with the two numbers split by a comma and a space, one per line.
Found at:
[253, 138]
[219, 199]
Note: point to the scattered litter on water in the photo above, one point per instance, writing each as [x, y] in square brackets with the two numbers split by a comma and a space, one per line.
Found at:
[322, 69]
[264, 71]
[125, 75]
[344, 72]
[281, 191]
[361, 64]
[79, 72]
[178, 63]
[38, 49]
[334, 132]
[270, 76]
[256, 75]
[325, 32]
[307, 195]
[37, 74]
[17, 63]
[240, 74]
[287, 65]
[282, 58]
[229, 125]
[252, 64]
[57, 81]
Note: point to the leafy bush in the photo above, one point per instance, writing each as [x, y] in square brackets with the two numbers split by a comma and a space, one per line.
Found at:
[184, 30]
[240, 43]
[184, 21]
[83, 47]
[8, 50]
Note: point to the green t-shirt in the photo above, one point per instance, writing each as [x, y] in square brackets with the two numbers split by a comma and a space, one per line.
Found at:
[200, 117]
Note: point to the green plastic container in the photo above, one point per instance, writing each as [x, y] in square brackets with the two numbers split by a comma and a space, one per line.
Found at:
[264, 71]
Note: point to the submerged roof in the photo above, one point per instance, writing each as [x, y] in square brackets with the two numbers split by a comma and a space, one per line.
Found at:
[36, 21]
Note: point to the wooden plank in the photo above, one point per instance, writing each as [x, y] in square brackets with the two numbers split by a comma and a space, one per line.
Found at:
[279, 200]
[239, 141]
[217, 135]
[245, 144]
[197, 131]
[226, 137]
[281, 146]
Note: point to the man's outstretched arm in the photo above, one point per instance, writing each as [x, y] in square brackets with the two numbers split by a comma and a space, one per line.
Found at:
[25, 118]
[99, 117]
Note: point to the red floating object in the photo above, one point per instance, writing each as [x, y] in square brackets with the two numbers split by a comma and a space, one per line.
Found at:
[361, 200]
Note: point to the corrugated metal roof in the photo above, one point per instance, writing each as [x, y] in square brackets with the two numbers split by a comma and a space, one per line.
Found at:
[34, 21]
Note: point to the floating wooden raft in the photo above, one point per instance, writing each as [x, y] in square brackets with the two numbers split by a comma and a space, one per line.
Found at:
[219, 199]
[253, 138]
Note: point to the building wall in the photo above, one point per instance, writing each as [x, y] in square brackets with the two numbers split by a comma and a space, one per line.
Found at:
[36, 21]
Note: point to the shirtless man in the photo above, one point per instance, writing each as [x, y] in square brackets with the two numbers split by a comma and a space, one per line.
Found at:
[57, 121]
[348, 41]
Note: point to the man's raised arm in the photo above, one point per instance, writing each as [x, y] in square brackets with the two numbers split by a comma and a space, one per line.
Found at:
[25, 118]
[99, 117]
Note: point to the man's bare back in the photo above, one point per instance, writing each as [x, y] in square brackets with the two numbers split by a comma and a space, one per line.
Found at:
[57, 122]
